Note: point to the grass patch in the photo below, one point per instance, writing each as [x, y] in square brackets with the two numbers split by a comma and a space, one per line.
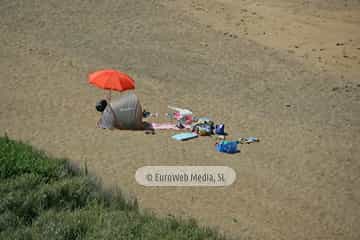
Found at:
[43, 198]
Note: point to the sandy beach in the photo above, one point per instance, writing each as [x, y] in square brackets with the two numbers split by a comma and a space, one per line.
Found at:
[286, 72]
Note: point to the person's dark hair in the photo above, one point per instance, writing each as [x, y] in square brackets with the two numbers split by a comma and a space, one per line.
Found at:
[101, 105]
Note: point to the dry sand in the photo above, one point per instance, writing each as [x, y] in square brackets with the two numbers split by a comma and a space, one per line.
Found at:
[257, 67]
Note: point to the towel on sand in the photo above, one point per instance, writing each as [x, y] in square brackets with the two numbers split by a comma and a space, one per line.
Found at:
[167, 126]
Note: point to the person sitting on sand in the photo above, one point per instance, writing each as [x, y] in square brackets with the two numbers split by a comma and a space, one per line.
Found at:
[107, 118]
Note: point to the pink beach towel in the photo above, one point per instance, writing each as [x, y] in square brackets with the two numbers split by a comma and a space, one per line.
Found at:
[167, 126]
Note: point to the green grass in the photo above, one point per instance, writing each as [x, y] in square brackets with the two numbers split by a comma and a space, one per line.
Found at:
[43, 198]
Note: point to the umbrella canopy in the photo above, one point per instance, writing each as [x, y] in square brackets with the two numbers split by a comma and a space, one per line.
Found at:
[111, 80]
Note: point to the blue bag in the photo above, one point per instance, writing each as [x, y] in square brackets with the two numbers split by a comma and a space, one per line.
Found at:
[220, 129]
[227, 146]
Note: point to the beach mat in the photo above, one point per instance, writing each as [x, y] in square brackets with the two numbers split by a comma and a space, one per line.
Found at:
[184, 136]
[167, 126]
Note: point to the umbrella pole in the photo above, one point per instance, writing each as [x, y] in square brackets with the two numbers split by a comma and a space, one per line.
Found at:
[109, 95]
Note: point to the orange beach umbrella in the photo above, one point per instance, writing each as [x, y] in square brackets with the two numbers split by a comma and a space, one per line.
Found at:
[110, 79]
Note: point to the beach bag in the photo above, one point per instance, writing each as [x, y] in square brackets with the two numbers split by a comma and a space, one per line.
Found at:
[204, 130]
[227, 146]
[220, 129]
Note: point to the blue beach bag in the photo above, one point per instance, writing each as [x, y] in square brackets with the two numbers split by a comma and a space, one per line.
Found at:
[227, 146]
[220, 129]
